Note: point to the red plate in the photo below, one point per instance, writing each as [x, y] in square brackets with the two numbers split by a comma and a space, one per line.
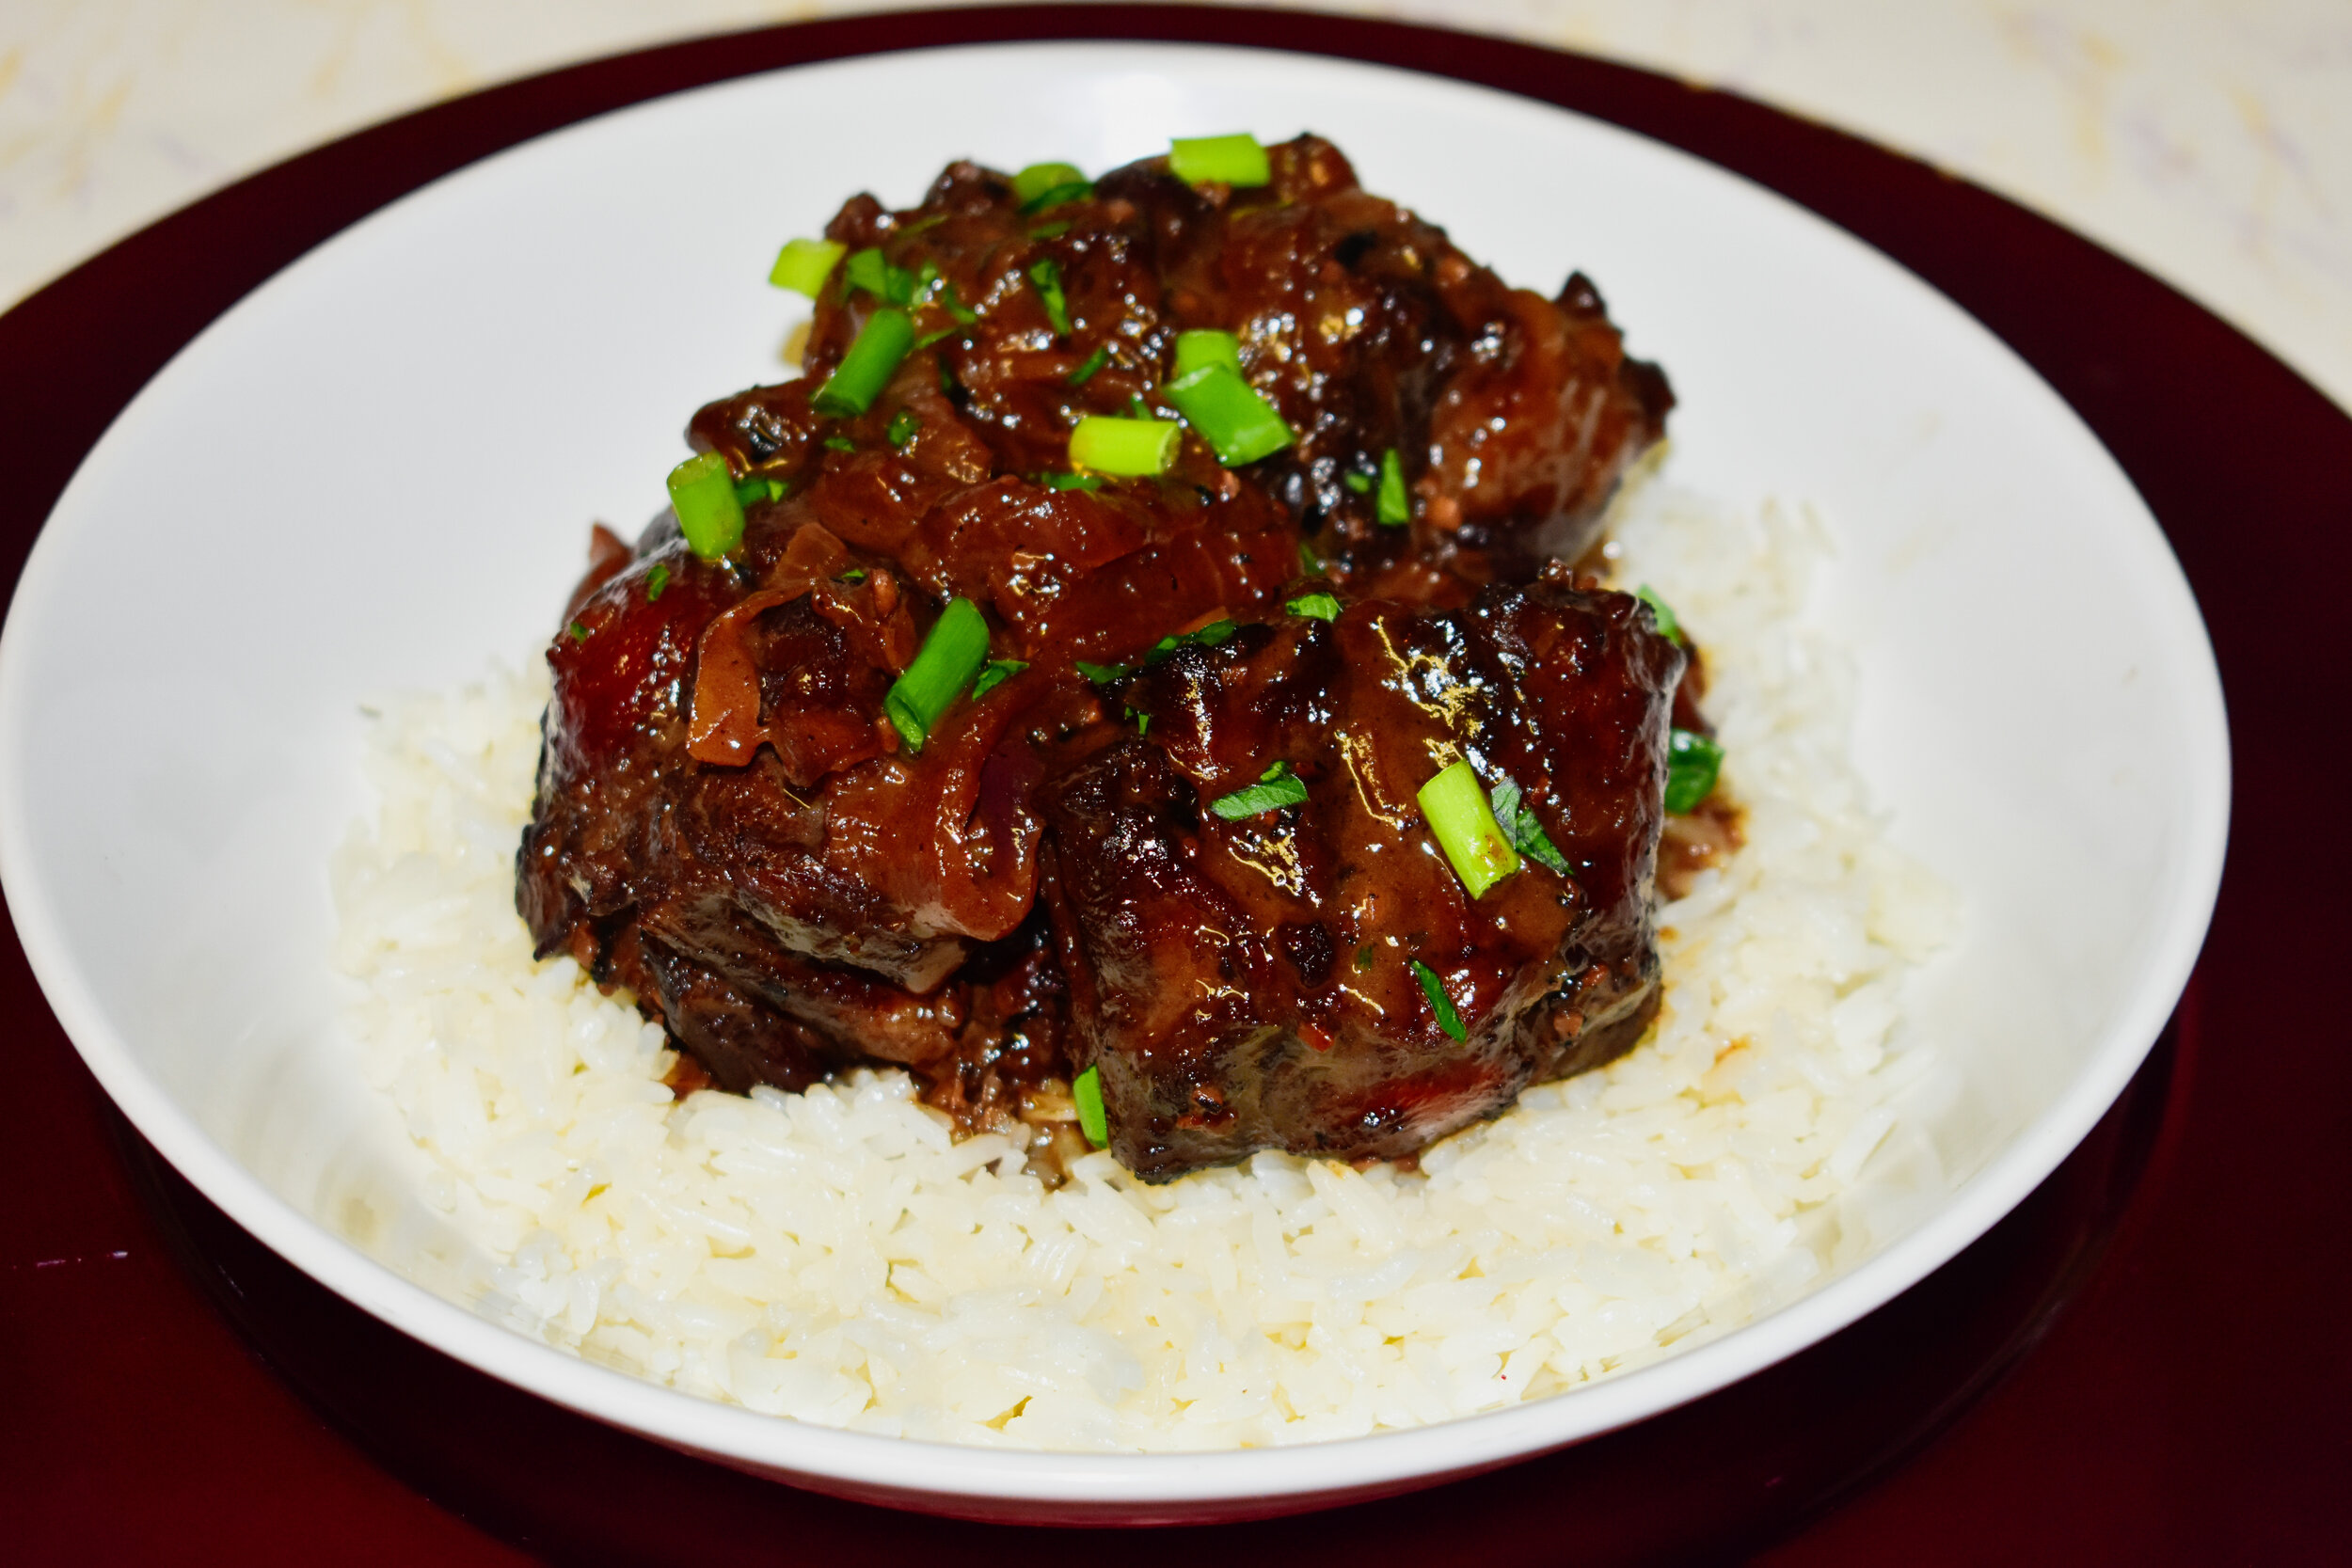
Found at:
[2192, 1405]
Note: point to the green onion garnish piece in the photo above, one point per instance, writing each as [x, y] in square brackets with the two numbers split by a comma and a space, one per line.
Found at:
[1073, 482]
[1276, 787]
[656, 581]
[1236, 160]
[1053, 231]
[804, 265]
[855, 576]
[1366, 957]
[1323, 607]
[1206, 637]
[703, 495]
[1393, 506]
[839, 443]
[1360, 483]
[1070, 190]
[1143, 721]
[1095, 361]
[949, 658]
[903, 424]
[1691, 763]
[1092, 1119]
[1128, 447]
[1102, 674]
[868, 271]
[1045, 273]
[580, 633]
[887, 338]
[1440, 1003]
[751, 489]
[1195, 349]
[1669, 626]
[1524, 831]
[1309, 563]
[1229, 414]
[1038, 179]
[996, 672]
[1466, 829]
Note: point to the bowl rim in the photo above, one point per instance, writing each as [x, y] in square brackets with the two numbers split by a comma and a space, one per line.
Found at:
[885, 1467]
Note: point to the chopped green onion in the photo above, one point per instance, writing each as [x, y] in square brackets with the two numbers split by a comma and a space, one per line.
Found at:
[1053, 231]
[1127, 448]
[1440, 1003]
[1393, 506]
[804, 265]
[1206, 637]
[1074, 190]
[752, 489]
[1038, 179]
[656, 581]
[1276, 787]
[949, 658]
[1229, 413]
[1093, 1120]
[1525, 831]
[1366, 957]
[868, 271]
[855, 576]
[1045, 273]
[580, 633]
[1197, 349]
[1095, 361]
[1323, 607]
[1073, 482]
[1102, 674]
[1692, 761]
[839, 443]
[1360, 483]
[1309, 563]
[703, 495]
[996, 672]
[1466, 829]
[887, 338]
[903, 424]
[1235, 160]
[1669, 624]
[1143, 721]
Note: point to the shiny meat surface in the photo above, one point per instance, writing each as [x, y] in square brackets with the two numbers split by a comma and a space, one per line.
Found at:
[729, 825]
[1249, 984]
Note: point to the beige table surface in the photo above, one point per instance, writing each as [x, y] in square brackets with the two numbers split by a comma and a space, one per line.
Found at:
[2211, 142]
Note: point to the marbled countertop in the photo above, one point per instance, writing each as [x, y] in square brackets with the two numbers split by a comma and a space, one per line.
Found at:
[2208, 140]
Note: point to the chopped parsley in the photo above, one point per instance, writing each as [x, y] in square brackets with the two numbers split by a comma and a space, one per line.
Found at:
[1440, 1003]
[1520, 826]
[996, 672]
[1276, 787]
[1207, 636]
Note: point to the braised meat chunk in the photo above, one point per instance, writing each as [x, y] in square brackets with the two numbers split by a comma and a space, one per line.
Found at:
[1254, 968]
[1039, 692]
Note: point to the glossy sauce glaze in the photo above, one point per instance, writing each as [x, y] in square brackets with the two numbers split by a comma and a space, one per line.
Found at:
[729, 824]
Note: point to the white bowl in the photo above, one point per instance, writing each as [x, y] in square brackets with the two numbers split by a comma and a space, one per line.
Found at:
[375, 473]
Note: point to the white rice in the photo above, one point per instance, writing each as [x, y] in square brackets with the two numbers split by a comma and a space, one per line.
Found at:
[837, 1257]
